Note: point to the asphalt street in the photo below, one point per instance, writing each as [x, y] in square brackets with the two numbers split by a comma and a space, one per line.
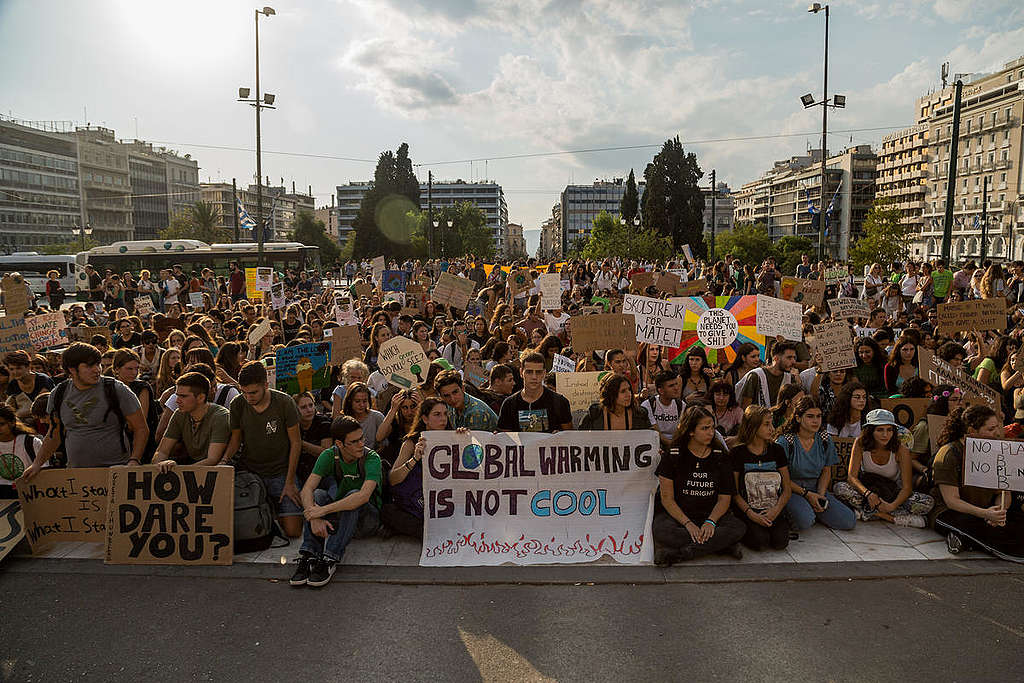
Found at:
[103, 626]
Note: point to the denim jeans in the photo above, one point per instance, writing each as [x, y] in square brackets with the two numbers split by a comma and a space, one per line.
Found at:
[348, 524]
[836, 516]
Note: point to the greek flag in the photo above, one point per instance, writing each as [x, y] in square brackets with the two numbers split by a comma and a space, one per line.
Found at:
[245, 221]
[977, 222]
[832, 204]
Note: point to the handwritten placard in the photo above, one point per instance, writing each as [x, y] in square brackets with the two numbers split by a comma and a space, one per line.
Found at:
[15, 295]
[936, 371]
[14, 334]
[403, 362]
[994, 464]
[833, 346]
[848, 307]
[12, 526]
[85, 333]
[302, 367]
[346, 344]
[976, 314]
[550, 291]
[836, 275]
[144, 305]
[453, 291]
[65, 505]
[47, 330]
[603, 331]
[777, 317]
[657, 321]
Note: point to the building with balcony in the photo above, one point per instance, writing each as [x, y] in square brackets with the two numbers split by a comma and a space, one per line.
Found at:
[40, 198]
[990, 152]
[349, 198]
[105, 183]
[581, 204]
[903, 174]
[329, 216]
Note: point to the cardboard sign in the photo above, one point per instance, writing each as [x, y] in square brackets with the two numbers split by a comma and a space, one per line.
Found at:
[693, 288]
[163, 326]
[848, 307]
[377, 265]
[302, 367]
[833, 346]
[182, 517]
[85, 334]
[777, 317]
[907, 411]
[994, 464]
[346, 344]
[12, 526]
[395, 296]
[252, 291]
[403, 362]
[658, 321]
[47, 330]
[453, 291]
[603, 331]
[196, 300]
[364, 289]
[836, 275]
[65, 505]
[144, 305]
[14, 333]
[475, 374]
[264, 278]
[936, 371]
[393, 281]
[258, 332]
[580, 388]
[688, 253]
[344, 311]
[15, 295]
[416, 298]
[639, 282]
[976, 314]
[550, 291]
[563, 510]
[844, 449]
[804, 292]
[277, 296]
[936, 423]
[562, 363]
[520, 281]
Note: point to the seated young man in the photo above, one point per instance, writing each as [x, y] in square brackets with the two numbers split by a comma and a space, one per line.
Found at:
[352, 512]
[203, 428]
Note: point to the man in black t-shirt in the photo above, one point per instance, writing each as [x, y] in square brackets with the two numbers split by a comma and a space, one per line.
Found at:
[535, 408]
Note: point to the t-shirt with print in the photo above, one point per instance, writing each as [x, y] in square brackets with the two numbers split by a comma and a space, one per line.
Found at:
[697, 482]
[665, 417]
[215, 427]
[350, 479]
[265, 434]
[92, 433]
[15, 449]
[760, 481]
[22, 400]
[547, 414]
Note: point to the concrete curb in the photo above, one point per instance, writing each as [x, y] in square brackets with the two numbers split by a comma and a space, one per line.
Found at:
[541, 575]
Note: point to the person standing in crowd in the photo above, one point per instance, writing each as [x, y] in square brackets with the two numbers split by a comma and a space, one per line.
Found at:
[266, 438]
[55, 293]
[535, 408]
[761, 473]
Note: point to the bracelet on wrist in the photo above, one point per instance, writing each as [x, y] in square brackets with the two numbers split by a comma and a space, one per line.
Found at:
[711, 522]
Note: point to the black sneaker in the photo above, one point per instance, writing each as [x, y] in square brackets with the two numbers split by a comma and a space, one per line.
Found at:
[321, 573]
[301, 575]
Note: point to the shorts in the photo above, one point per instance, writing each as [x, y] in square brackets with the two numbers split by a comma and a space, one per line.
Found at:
[275, 487]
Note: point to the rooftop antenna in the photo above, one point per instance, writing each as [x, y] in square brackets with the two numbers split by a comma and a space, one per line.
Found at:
[945, 73]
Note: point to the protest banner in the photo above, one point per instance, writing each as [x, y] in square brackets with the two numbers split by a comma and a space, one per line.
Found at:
[693, 288]
[777, 317]
[531, 498]
[277, 296]
[163, 326]
[812, 292]
[976, 314]
[936, 371]
[994, 464]
[393, 281]
[688, 253]
[403, 362]
[181, 517]
[836, 275]
[12, 526]
[452, 290]
[144, 305]
[844, 449]
[658, 321]
[65, 505]
[789, 288]
[669, 283]
[264, 278]
[603, 331]
[14, 333]
[907, 411]
[252, 291]
[562, 363]
[47, 330]
[15, 295]
[416, 298]
[833, 346]
[196, 300]
[718, 324]
[474, 374]
[345, 344]
[364, 289]
[848, 307]
[85, 334]
[580, 388]
[344, 311]
[395, 296]
[550, 291]
[259, 331]
[640, 281]
[302, 367]
[377, 265]
[520, 281]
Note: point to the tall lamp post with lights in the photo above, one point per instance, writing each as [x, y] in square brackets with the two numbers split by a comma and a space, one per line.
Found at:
[837, 102]
[265, 103]
[440, 225]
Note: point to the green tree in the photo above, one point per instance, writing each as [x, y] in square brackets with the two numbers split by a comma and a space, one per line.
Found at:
[788, 250]
[673, 204]
[884, 238]
[629, 206]
[610, 236]
[70, 247]
[312, 232]
[380, 225]
[468, 234]
[197, 222]
[576, 248]
[749, 242]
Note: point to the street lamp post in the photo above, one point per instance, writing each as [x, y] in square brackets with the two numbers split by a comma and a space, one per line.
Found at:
[265, 103]
[83, 230]
[636, 225]
[838, 102]
[442, 224]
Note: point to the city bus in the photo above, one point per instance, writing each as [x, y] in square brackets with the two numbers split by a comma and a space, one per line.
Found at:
[153, 255]
[34, 266]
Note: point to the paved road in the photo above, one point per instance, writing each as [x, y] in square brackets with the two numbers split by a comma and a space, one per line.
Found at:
[96, 626]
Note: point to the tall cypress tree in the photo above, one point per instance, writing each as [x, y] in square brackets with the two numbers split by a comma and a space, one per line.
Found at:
[673, 203]
[629, 206]
[393, 176]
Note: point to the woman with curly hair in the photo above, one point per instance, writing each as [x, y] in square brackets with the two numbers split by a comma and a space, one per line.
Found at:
[696, 372]
[848, 412]
[902, 364]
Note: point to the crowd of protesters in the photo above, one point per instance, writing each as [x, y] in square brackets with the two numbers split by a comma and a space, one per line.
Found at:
[344, 461]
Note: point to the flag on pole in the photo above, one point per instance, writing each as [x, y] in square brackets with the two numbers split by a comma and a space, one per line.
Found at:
[832, 204]
[245, 221]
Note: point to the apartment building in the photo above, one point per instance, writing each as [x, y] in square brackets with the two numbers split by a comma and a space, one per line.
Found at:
[904, 168]
[581, 204]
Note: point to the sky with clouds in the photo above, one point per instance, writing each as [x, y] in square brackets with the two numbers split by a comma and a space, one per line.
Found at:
[463, 80]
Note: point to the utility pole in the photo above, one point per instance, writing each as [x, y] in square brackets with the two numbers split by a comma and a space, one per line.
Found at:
[947, 225]
[234, 206]
[984, 216]
[714, 191]
[259, 157]
[430, 215]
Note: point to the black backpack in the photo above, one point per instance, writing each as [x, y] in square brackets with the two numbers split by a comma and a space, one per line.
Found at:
[113, 406]
[255, 523]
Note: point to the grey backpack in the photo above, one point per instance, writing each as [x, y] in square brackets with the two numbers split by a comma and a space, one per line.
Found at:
[255, 525]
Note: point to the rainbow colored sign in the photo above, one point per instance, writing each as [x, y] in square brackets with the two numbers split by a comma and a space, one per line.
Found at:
[718, 324]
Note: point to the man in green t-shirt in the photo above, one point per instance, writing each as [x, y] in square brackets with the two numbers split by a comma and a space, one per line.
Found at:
[942, 279]
[204, 429]
[350, 509]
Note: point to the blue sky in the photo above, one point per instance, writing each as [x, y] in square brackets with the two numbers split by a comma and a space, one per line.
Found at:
[474, 79]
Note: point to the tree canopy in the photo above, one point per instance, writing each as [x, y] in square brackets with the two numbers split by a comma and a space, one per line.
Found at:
[629, 206]
[197, 222]
[673, 204]
[610, 236]
[884, 239]
[311, 231]
[380, 225]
